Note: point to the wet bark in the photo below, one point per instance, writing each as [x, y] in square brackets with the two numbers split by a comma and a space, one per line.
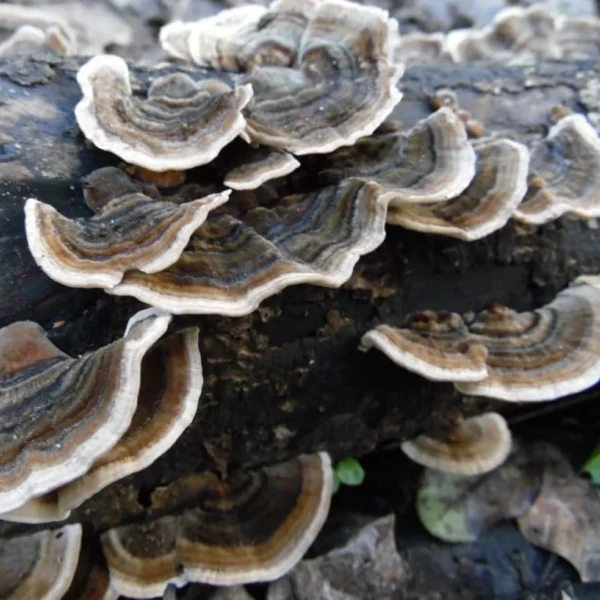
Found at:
[289, 378]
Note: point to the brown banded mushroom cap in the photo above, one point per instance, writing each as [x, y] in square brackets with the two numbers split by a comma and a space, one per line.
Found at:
[433, 345]
[486, 205]
[517, 34]
[475, 446]
[564, 174]
[432, 162]
[540, 355]
[129, 232]
[167, 402]
[182, 124]
[342, 87]
[59, 414]
[252, 527]
[259, 165]
[170, 388]
[40, 565]
[246, 37]
[532, 356]
[142, 558]
[231, 264]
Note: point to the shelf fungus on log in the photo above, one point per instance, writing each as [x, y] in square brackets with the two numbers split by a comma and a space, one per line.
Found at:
[564, 174]
[485, 206]
[231, 264]
[245, 38]
[252, 527]
[171, 382]
[472, 447]
[33, 29]
[543, 354]
[60, 414]
[128, 232]
[40, 565]
[182, 124]
[432, 162]
[256, 165]
[516, 35]
[341, 87]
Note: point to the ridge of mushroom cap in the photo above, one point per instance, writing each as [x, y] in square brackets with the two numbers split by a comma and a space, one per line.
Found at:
[231, 264]
[532, 356]
[432, 162]
[344, 64]
[43, 509]
[246, 37]
[486, 204]
[418, 48]
[40, 565]
[476, 445]
[220, 541]
[59, 414]
[24, 40]
[552, 352]
[129, 232]
[182, 124]
[174, 38]
[164, 410]
[517, 34]
[142, 558]
[258, 165]
[435, 345]
[564, 174]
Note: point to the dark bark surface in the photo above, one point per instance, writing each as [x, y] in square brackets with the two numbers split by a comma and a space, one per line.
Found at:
[289, 378]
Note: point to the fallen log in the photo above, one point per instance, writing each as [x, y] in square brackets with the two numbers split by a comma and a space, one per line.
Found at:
[289, 378]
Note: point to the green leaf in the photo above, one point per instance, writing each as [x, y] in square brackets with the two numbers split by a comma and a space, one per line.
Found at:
[592, 466]
[350, 472]
[336, 483]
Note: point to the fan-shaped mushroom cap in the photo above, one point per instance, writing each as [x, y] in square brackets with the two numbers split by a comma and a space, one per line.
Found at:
[168, 398]
[419, 48]
[518, 34]
[41, 565]
[532, 356]
[181, 125]
[564, 174]
[246, 37]
[578, 37]
[434, 161]
[59, 414]
[174, 39]
[435, 345]
[540, 355]
[253, 527]
[231, 264]
[475, 446]
[259, 165]
[129, 232]
[343, 86]
[485, 206]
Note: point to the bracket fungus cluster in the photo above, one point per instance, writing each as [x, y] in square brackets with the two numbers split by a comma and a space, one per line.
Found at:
[322, 71]
[517, 35]
[73, 426]
[251, 527]
[543, 354]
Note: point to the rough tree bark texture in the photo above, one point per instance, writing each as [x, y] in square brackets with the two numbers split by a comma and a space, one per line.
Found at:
[289, 378]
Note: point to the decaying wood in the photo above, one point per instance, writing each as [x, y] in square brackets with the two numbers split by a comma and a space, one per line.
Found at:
[289, 377]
